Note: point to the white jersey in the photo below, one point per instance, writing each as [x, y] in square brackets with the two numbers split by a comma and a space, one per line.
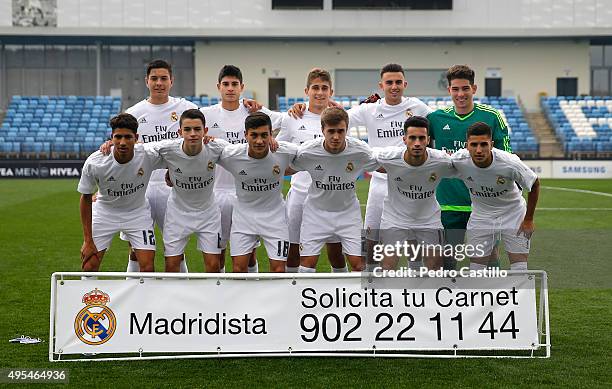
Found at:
[193, 176]
[384, 122]
[158, 122]
[334, 175]
[229, 126]
[411, 200]
[298, 131]
[494, 189]
[120, 186]
[258, 182]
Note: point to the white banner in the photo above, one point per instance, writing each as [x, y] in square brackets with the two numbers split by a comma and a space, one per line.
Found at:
[582, 169]
[281, 315]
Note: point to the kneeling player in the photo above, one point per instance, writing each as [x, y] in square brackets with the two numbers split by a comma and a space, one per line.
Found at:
[494, 178]
[331, 211]
[410, 211]
[191, 205]
[121, 179]
[260, 209]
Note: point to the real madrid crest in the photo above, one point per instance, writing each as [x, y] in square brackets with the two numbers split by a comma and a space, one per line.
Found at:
[141, 172]
[409, 113]
[350, 167]
[174, 117]
[211, 165]
[433, 177]
[501, 180]
[96, 323]
[276, 170]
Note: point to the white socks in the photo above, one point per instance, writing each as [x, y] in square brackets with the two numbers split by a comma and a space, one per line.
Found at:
[183, 266]
[304, 269]
[518, 266]
[133, 266]
[340, 270]
[254, 269]
[477, 266]
[291, 269]
[415, 265]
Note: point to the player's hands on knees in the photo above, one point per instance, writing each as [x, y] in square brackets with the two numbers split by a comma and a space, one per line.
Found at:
[297, 110]
[207, 139]
[105, 148]
[251, 105]
[168, 180]
[88, 251]
[273, 145]
[527, 227]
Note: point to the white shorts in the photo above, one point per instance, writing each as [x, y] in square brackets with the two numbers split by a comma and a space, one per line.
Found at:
[376, 197]
[430, 236]
[484, 232]
[157, 196]
[320, 227]
[226, 200]
[137, 226]
[249, 227]
[294, 209]
[181, 224]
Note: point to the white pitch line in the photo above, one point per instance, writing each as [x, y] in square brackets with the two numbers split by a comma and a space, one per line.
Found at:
[573, 209]
[578, 191]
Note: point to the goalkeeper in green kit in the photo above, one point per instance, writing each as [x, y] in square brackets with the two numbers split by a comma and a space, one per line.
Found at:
[448, 129]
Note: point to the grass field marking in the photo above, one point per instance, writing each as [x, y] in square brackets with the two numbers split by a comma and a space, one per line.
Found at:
[578, 190]
[573, 209]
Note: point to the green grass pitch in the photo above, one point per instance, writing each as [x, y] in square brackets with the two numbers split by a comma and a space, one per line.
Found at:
[40, 233]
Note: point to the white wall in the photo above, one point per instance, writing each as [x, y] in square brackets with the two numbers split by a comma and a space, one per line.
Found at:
[256, 17]
[527, 67]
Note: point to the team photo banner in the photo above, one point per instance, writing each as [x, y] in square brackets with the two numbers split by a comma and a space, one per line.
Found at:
[217, 315]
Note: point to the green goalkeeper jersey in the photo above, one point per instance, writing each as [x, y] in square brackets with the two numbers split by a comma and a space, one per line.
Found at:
[447, 130]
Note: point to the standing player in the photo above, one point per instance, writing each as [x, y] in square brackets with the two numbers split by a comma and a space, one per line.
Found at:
[297, 131]
[259, 211]
[226, 121]
[332, 212]
[158, 119]
[191, 205]
[121, 179]
[448, 129]
[494, 178]
[411, 212]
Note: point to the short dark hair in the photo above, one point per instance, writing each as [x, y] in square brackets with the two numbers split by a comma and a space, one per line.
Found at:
[256, 120]
[318, 73]
[332, 116]
[460, 72]
[479, 128]
[416, 121]
[230, 71]
[392, 68]
[124, 120]
[193, 113]
[159, 64]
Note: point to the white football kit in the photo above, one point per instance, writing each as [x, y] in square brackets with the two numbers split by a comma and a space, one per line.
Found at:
[332, 212]
[410, 210]
[157, 122]
[120, 205]
[259, 211]
[498, 206]
[385, 127]
[192, 208]
[298, 131]
[229, 126]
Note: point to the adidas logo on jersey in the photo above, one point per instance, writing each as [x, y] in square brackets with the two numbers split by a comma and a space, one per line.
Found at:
[446, 127]
[398, 178]
[302, 128]
[142, 120]
[380, 116]
[111, 179]
[215, 125]
[178, 170]
[470, 179]
[318, 167]
[242, 173]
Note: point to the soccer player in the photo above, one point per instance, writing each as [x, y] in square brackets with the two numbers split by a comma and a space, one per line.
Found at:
[226, 121]
[332, 212]
[259, 211]
[297, 131]
[494, 178]
[158, 119]
[121, 179]
[191, 208]
[448, 129]
[410, 211]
